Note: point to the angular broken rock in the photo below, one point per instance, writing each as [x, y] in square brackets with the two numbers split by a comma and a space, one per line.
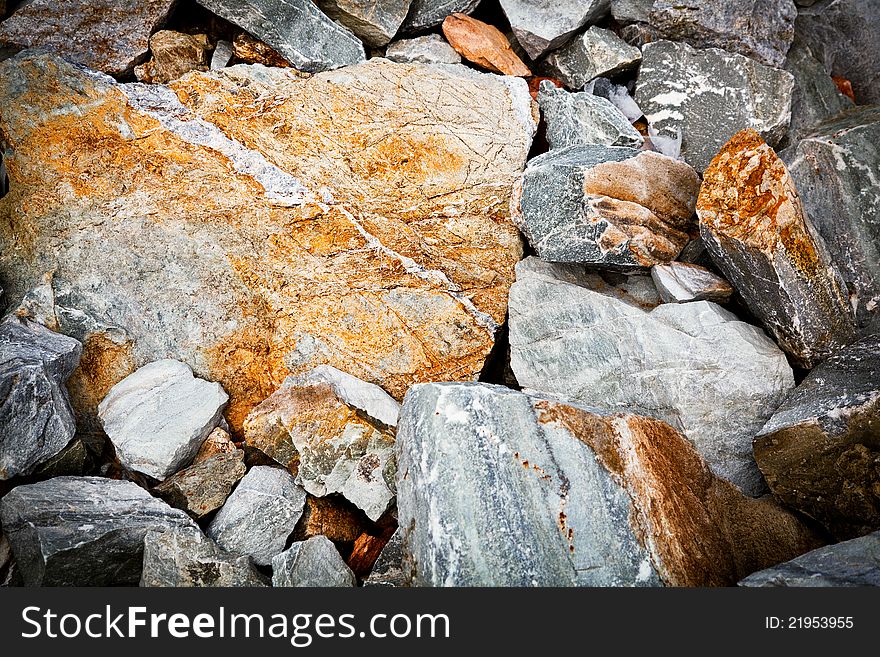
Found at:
[106, 36]
[425, 14]
[83, 531]
[693, 365]
[371, 233]
[575, 119]
[158, 417]
[186, 557]
[709, 95]
[820, 452]
[333, 517]
[335, 433]
[679, 282]
[222, 55]
[173, 55]
[852, 563]
[36, 421]
[836, 170]
[375, 22]
[595, 53]
[609, 206]
[630, 11]
[248, 50]
[388, 569]
[543, 26]
[203, 487]
[260, 515]
[429, 49]
[483, 44]
[315, 562]
[297, 29]
[753, 223]
[501, 488]
[218, 442]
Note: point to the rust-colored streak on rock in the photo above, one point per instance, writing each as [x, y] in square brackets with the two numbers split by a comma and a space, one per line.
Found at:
[332, 517]
[103, 364]
[248, 50]
[483, 44]
[844, 86]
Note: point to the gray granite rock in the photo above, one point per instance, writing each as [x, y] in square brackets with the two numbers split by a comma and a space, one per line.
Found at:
[388, 569]
[576, 119]
[203, 487]
[260, 515]
[595, 52]
[222, 55]
[425, 14]
[296, 29]
[159, 416]
[836, 170]
[183, 557]
[679, 282]
[709, 95]
[542, 25]
[83, 531]
[428, 49]
[819, 452]
[36, 421]
[631, 11]
[375, 22]
[609, 206]
[314, 562]
[693, 365]
[851, 563]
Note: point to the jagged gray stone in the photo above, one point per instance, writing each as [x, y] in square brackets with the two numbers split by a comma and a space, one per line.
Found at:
[595, 52]
[222, 55]
[630, 11]
[542, 25]
[425, 14]
[388, 568]
[428, 49]
[679, 282]
[375, 22]
[314, 562]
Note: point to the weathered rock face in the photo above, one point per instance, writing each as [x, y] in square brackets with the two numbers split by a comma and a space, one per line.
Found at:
[820, 452]
[837, 174]
[186, 557]
[693, 365]
[248, 50]
[707, 96]
[158, 417]
[595, 52]
[203, 487]
[483, 44]
[375, 22]
[544, 25]
[626, 11]
[613, 206]
[425, 14]
[106, 35]
[428, 49]
[753, 223]
[299, 31]
[218, 442]
[371, 233]
[851, 563]
[331, 517]
[174, 54]
[335, 434]
[222, 55]
[36, 421]
[388, 569]
[679, 282]
[315, 562]
[83, 531]
[500, 488]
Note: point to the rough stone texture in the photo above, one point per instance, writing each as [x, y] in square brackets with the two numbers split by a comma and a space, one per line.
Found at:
[596, 52]
[83, 531]
[259, 515]
[837, 174]
[158, 417]
[483, 44]
[425, 14]
[36, 421]
[315, 562]
[174, 54]
[679, 282]
[203, 487]
[296, 29]
[388, 569]
[375, 22]
[582, 118]
[332, 517]
[612, 206]
[820, 452]
[186, 557]
[222, 55]
[843, 36]
[371, 233]
[851, 563]
[693, 365]
[106, 35]
[248, 50]
[218, 442]
[500, 488]
[428, 49]
[753, 223]
[335, 434]
[542, 25]
[629, 11]
[709, 95]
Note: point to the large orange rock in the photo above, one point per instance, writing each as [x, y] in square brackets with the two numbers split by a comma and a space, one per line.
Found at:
[483, 44]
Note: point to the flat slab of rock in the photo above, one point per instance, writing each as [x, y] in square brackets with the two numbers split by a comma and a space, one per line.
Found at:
[315, 562]
[680, 282]
[425, 14]
[174, 54]
[428, 49]
[106, 35]
[851, 563]
[375, 22]
[374, 237]
[299, 31]
[36, 421]
[610, 206]
[707, 96]
[693, 365]
[484, 45]
[500, 488]
[83, 531]
[186, 557]
[543, 26]
[158, 417]
[597, 52]
[203, 487]
[819, 451]
[753, 223]
[260, 515]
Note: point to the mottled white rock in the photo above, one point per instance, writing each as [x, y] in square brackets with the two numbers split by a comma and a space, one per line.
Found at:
[595, 52]
[368, 397]
[314, 562]
[159, 416]
[428, 49]
[679, 282]
[542, 25]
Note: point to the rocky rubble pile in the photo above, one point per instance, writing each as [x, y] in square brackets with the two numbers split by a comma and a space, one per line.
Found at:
[439, 293]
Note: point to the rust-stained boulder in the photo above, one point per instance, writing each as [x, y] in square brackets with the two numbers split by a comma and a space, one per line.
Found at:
[254, 224]
[754, 225]
[483, 44]
[173, 55]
